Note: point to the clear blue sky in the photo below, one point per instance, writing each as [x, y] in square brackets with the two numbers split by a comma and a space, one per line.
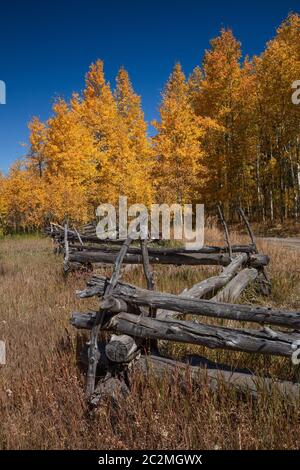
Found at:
[47, 46]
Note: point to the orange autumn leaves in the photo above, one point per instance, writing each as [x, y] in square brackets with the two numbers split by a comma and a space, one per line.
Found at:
[229, 132]
[91, 150]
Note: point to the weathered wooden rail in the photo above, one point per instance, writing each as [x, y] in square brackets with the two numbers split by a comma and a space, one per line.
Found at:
[212, 336]
[178, 259]
[133, 296]
[87, 251]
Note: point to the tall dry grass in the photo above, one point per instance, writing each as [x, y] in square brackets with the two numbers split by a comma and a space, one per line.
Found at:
[41, 388]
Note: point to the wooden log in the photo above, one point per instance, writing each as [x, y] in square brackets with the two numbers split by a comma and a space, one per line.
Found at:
[78, 235]
[112, 388]
[86, 239]
[94, 353]
[146, 265]
[209, 286]
[215, 376]
[266, 284]
[58, 233]
[142, 297]
[264, 341]
[258, 261]
[176, 259]
[153, 346]
[197, 259]
[111, 248]
[200, 370]
[67, 251]
[121, 348]
[214, 283]
[211, 336]
[83, 321]
[232, 291]
[96, 240]
[223, 221]
[113, 305]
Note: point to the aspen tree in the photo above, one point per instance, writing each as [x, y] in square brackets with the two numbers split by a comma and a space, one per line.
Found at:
[177, 145]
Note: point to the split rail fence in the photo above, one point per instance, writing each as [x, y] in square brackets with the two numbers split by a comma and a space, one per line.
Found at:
[139, 318]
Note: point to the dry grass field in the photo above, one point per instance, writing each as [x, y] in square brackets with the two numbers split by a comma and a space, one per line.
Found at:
[41, 388]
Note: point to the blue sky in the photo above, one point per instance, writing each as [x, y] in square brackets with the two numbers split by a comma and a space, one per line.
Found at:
[47, 46]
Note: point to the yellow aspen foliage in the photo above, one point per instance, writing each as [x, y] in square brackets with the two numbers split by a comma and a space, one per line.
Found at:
[129, 108]
[278, 160]
[25, 199]
[177, 145]
[218, 100]
[100, 115]
[130, 111]
[66, 199]
[35, 160]
[243, 165]
[70, 149]
[119, 134]
[70, 153]
[194, 89]
[3, 200]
